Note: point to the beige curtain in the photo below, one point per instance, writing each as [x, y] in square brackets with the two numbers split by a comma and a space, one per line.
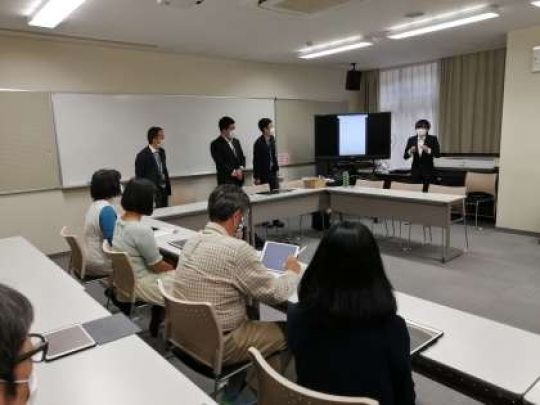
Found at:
[471, 98]
[367, 99]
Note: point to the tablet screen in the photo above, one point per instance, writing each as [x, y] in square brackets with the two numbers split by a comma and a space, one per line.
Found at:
[66, 341]
[275, 255]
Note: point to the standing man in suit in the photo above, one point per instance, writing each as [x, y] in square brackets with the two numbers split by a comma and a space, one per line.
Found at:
[265, 163]
[151, 164]
[423, 148]
[228, 155]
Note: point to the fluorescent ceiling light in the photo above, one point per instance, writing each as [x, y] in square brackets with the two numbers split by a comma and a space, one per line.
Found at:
[535, 3]
[444, 25]
[339, 49]
[331, 44]
[53, 12]
[439, 17]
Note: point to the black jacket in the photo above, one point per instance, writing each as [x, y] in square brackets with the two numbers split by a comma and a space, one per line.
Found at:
[146, 167]
[226, 161]
[264, 159]
[364, 359]
[423, 165]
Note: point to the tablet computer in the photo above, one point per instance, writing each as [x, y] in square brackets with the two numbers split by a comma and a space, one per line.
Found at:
[66, 341]
[421, 336]
[274, 255]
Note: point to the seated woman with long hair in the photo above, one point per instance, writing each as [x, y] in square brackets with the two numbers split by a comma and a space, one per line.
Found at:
[344, 332]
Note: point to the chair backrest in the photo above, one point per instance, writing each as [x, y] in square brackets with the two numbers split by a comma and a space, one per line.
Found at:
[369, 183]
[193, 327]
[397, 185]
[481, 183]
[434, 188]
[294, 184]
[276, 389]
[77, 263]
[123, 279]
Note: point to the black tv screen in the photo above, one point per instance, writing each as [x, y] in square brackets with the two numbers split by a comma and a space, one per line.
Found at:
[353, 136]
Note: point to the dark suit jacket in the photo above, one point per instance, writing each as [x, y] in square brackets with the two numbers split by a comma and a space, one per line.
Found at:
[423, 165]
[146, 167]
[226, 161]
[264, 154]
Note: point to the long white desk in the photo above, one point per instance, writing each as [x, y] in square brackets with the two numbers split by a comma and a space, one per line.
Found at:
[127, 371]
[533, 396]
[57, 298]
[429, 209]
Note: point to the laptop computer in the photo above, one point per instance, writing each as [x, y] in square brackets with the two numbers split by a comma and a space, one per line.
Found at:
[179, 244]
[421, 336]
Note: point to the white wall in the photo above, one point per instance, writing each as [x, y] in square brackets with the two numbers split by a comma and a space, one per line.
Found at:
[519, 195]
[46, 65]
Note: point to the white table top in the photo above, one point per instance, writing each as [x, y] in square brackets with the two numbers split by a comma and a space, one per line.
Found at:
[533, 396]
[199, 207]
[57, 298]
[127, 371]
[400, 194]
[296, 192]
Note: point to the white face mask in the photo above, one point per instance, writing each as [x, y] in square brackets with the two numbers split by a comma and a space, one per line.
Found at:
[32, 387]
[272, 131]
[240, 228]
[421, 132]
[232, 134]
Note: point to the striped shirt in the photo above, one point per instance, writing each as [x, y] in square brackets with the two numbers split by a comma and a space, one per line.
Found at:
[227, 272]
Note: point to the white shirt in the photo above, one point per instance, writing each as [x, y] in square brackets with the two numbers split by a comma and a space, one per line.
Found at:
[421, 140]
[97, 262]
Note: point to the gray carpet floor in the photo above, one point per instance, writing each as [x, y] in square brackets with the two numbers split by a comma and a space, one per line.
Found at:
[498, 278]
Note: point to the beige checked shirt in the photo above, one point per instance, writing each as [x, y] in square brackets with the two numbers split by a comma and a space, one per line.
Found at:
[227, 272]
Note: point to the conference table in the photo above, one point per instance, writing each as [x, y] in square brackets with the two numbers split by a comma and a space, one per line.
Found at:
[533, 396]
[126, 371]
[477, 356]
[428, 209]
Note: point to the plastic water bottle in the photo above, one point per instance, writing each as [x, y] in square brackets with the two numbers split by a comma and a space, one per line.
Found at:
[346, 179]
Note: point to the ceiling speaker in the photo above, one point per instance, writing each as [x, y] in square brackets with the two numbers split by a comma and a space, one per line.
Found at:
[353, 79]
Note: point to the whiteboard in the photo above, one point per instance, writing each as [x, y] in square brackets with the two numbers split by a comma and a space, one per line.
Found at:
[97, 131]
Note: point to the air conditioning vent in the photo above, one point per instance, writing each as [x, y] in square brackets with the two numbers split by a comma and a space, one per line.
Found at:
[301, 7]
[179, 3]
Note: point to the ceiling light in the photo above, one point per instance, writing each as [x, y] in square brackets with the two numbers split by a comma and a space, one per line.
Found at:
[444, 25]
[339, 49]
[53, 12]
[439, 17]
[331, 44]
[535, 3]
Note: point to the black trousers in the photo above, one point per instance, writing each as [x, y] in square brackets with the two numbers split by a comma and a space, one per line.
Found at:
[424, 176]
[272, 181]
[162, 197]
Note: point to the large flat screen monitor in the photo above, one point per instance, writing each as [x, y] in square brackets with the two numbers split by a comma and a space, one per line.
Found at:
[353, 136]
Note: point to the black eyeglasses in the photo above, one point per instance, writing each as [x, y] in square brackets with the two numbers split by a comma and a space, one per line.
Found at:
[39, 349]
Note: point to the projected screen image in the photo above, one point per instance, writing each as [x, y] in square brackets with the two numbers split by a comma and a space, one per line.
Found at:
[352, 134]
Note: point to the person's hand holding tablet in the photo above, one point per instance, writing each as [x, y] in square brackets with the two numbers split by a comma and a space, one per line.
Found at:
[292, 264]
